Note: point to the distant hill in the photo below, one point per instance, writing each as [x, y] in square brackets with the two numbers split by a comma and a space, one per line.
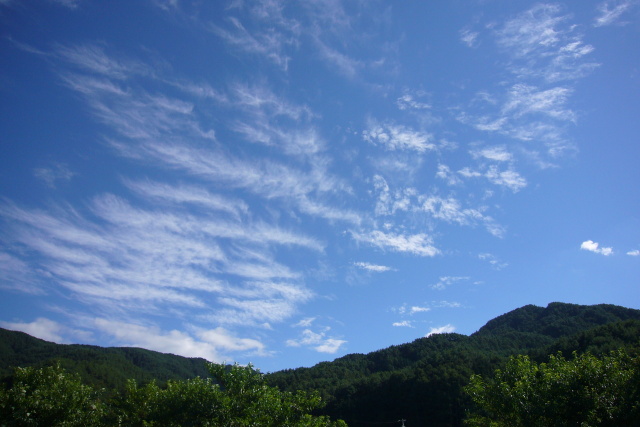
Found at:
[100, 367]
[419, 381]
[422, 381]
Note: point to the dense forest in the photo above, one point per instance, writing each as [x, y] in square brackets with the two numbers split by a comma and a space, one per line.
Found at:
[422, 382]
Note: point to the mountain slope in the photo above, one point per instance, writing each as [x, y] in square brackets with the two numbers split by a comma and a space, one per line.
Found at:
[419, 381]
[101, 367]
[422, 381]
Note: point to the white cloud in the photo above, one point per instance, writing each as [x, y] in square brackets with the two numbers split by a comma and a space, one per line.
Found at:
[592, 246]
[318, 341]
[209, 343]
[526, 99]
[269, 44]
[415, 309]
[610, 11]
[447, 281]
[468, 37]
[544, 44]
[441, 330]
[494, 261]
[408, 102]
[372, 267]
[445, 173]
[417, 244]
[496, 153]
[305, 323]
[188, 194]
[634, 252]
[398, 137]
[403, 324]
[42, 328]
[507, 178]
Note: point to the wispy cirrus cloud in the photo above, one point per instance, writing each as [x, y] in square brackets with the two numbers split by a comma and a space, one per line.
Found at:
[419, 244]
[542, 43]
[268, 43]
[447, 281]
[372, 267]
[610, 11]
[493, 260]
[54, 174]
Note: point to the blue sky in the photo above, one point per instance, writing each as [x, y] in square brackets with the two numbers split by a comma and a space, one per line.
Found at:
[283, 182]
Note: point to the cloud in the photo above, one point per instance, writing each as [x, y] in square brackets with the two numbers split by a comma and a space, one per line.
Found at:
[610, 11]
[634, 252]
[306, 322]
[187, 194]
[372, 267]
[496, 153]
[592, 246]
[265, 43]
[494, 261]
[318, 341]
[411, 310]
[42, 328]
[446, 329]
[447, 281]
[71, 4]
[403, 324]
[417, 244]
[396, 137]
[542, 43]
[468, 37]
[408, 102]
[207, 344]
[52, 175]
[525, 99]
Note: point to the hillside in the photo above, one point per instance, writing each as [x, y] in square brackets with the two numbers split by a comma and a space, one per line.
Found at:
[101, 367]
[422, 381]
[419, 381]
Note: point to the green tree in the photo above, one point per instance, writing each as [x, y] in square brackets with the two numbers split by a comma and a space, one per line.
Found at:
[49, 397]
[235, 396]
[584, 391]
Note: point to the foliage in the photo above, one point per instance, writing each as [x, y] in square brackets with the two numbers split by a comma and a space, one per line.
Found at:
[49, 397]
[421, 381]
[236, 396]
[584, 391]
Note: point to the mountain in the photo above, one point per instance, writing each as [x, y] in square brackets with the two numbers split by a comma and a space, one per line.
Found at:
[422, 381]
[419, 381]
[100, 367]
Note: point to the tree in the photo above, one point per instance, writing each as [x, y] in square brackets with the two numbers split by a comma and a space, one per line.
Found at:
[584, 391]
[234, 396]
[49, 397]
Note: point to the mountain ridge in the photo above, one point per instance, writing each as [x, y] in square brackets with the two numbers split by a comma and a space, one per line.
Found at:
[420, 381]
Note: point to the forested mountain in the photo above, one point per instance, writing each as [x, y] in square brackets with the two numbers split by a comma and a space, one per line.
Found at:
[422, 381]
[97, 366]
[419, 381]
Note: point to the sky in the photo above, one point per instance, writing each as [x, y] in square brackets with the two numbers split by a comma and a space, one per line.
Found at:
[283, 183]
